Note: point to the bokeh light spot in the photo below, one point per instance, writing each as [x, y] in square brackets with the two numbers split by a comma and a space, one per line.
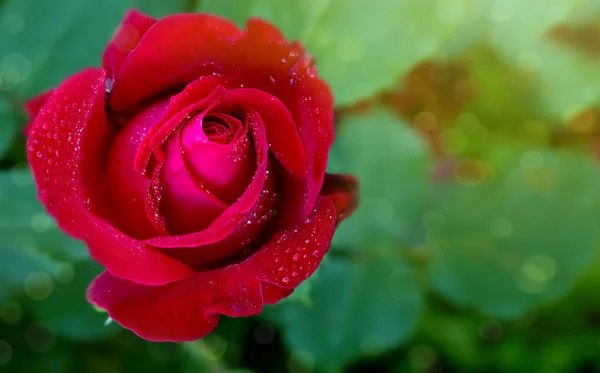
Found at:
[41, 222]
[38, 285]
[39, 337]
[6, 352]
[422, 357]
[11, 312]
[12, 23]
[501, 228]
[264, 334]
[470, 172]
[539, 268]
[454, 141]
[63, 273]
[532, 160]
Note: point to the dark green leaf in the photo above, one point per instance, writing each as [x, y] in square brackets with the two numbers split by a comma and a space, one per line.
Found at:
[67, 311]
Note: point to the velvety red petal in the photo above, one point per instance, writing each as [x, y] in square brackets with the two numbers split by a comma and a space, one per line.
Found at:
[282, 134]
[126, 38]
[128, 186]
[311, 106]
[182, 311]
[292, 255]
[273, 293]
[241, 231]
[33, 107]
[71, 124]
[189, 309]
[204, 97]
[343, 191]
[180, 47]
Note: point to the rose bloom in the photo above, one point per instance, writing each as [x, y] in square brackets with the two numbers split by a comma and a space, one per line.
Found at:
[193, 166]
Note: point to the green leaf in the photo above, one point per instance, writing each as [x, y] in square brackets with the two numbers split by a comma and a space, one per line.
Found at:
[67, 311]
[160, 8]
[359, 49]
[50, 40]
[24, 223]
[515, 230]
[358, 308]
[392, 165]
[8, 125]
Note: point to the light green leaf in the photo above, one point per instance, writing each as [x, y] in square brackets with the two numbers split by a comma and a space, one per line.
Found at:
[392, 165]
[358, 308]
[359, 50]
[520, 237]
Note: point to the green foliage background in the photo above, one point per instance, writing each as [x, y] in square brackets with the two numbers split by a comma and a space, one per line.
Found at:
[473, 126]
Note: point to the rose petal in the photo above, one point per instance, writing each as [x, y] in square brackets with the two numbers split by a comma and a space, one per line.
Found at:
[343, 191]
[181, 311]
[292, 256]
[229, 221]
[128, 186]
[282, 134]
[225, 169]
[126, 38]
[311, 106]
[181, 47]
[186, 205]
[189, 309]
[250, 227]
[33, 107]
[273, 293]
[200, 95]
[71, 185]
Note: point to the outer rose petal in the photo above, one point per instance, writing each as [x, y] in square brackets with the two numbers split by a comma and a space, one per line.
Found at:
[343, 191]
[71, 124]
[180, 47]
[33, 107]
[189, 309]
[126, 38]
[181, 311]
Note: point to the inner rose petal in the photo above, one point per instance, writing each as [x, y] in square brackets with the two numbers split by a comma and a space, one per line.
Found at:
[186, 204]
[218, 152]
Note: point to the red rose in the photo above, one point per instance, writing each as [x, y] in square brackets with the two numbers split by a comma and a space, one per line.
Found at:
[193, 166]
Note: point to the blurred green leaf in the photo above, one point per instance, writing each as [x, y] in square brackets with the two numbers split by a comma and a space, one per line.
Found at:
[8, 125]
[43, 42]
[359, 49]
[358, 308]
[160, 8]
[516, 230]
[392, 164]
[24, 224]
[66, 310]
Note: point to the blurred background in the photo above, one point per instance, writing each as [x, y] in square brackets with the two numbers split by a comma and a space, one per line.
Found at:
[474, 128]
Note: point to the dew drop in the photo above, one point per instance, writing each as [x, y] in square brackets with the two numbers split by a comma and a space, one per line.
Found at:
[285, 280]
